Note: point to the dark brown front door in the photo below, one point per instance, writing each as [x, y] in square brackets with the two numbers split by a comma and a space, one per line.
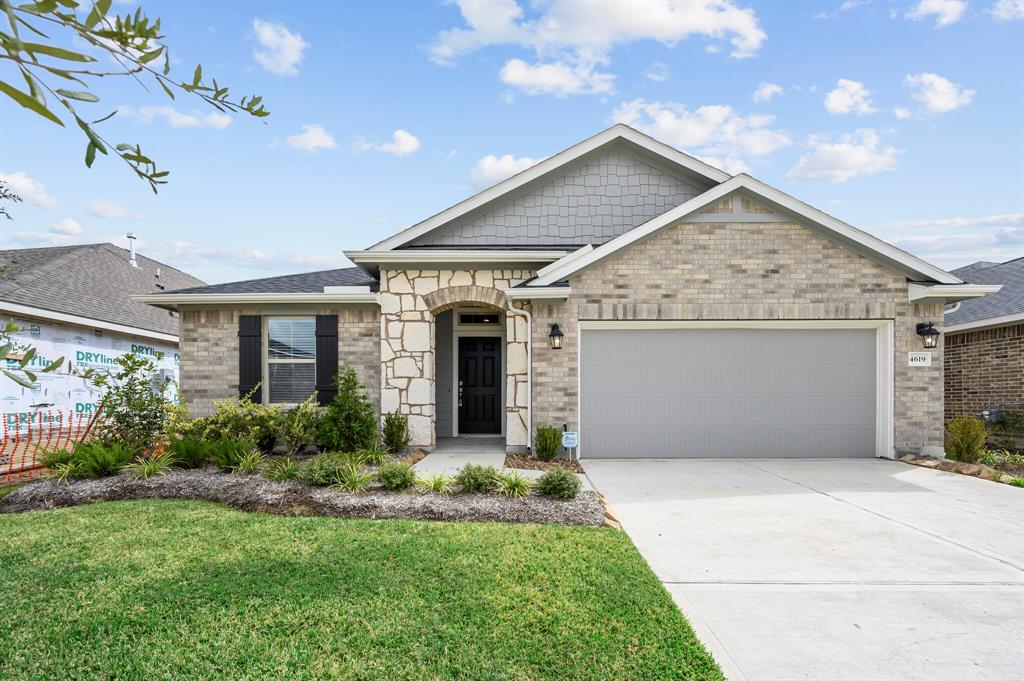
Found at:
[479, 385]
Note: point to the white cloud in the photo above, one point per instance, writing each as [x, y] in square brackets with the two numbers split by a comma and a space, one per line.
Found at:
[312, 138]
[28, 189]
[111, 210]
[998, 245]
[67, 227]
[946, 12]
[901, 113]
[571, 38]
[850, 96]
[938, 94]
[658, 72]
[492, 169]
[177, 119]
[1007, 10]
[716, 133]
[402, 143]
[853, 155]
[557, 78]
[999, 220]
[280, 50]
[766, 91]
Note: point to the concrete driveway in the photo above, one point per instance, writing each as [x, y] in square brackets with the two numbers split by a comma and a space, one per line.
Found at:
[833, 569]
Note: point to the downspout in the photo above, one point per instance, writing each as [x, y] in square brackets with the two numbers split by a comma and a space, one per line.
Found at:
[529, 371]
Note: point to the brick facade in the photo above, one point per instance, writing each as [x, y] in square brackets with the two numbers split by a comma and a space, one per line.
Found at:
[984, 368]
[757, 271]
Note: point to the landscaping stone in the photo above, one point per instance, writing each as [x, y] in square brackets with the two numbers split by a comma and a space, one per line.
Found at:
[976, 470]
[254, 493]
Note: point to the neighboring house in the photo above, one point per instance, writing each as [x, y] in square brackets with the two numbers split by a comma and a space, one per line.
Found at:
[985, 342]
[76, 302]
[701, 314]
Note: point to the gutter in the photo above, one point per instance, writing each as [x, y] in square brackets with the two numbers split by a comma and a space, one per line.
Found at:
[331, 294]
[65, 318]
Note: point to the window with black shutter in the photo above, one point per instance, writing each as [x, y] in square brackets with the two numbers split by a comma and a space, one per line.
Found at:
[250, 357]
[326, 357]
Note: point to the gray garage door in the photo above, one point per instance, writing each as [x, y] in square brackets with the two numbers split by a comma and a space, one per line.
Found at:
[727, 393]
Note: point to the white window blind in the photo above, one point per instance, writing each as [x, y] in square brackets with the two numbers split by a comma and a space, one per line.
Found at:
[291, 358]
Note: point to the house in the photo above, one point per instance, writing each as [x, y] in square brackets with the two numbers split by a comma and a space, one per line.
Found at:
[76, 302]
[625, 290]
[984, 355]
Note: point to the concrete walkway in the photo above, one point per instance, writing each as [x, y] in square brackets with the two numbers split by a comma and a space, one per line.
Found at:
[833, 569]
[452, 454]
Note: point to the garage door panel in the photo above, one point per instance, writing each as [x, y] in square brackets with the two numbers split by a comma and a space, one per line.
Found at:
[727, 392]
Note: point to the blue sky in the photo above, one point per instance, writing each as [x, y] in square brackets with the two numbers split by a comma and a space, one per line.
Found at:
[904, 119]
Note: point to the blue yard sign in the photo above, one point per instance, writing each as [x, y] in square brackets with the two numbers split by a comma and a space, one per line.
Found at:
[570, 439]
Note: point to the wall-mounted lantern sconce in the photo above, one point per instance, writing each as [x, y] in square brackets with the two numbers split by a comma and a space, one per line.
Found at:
[555, 337]
[929, 334]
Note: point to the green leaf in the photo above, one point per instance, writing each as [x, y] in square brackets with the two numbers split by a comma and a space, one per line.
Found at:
[198, 75]
[6, 350]
[79, 95]
[150, 56]
[41, 7]
[31, 376]
[90, 154]
[33, 88]
[54, 365]
[18, 378]
[29, 103]
[91, 135]
[27, 358]
[166, 89]
[99, 10]
[57, 52]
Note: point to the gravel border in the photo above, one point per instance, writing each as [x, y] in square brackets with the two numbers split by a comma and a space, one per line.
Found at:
[255, 493]
[522, 462]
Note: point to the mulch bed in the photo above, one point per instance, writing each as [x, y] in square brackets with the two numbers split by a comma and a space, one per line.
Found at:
[255, 493]
[976, 470]
[531, 464]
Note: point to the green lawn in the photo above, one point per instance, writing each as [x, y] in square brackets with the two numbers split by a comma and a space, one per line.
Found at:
[175, 589]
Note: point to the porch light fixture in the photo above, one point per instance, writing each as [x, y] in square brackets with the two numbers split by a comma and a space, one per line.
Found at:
[555, 337]
[929, 334]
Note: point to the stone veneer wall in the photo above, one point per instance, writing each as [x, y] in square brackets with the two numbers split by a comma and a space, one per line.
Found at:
[209, 350]
[409, 299]
[984, 369]
[718, 271]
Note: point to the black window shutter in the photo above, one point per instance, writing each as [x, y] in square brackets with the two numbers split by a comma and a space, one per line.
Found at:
[326, 357]
[250, 356]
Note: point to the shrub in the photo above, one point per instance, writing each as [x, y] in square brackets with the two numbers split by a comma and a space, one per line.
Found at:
[559, 483]
[374, 455]
[300, 426]
[547, 440]
[348, 423]
[1017, 482]
[476, 479]
[189, 451]
[997, 458]
[323, 469]
[98, 459]
[133, 404]
[352, 478]
[53, 458]
[395, 433]
[250, 462]
[434, 483]
[150, 465]
[396, 476]
[512, 484]
[241, 418]
[227, 452]
[965, 438]
[280, 470]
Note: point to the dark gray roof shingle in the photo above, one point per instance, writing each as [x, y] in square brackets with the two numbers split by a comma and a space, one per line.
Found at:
[1010, 300]
[91, 280]
[304, 282]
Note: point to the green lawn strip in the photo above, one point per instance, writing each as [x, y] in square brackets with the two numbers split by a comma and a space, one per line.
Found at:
[176, 589]
[7, 489]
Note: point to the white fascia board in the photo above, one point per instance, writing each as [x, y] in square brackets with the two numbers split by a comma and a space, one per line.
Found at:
[412, 255]
[532, 293]
[986, 323]
[866, 241]
[64, 318]
[618, 131]
[566, 260]
[172, 300]
[353, 290]
[949, 293]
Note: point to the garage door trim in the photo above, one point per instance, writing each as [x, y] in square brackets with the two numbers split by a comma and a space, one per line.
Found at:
[884, 359]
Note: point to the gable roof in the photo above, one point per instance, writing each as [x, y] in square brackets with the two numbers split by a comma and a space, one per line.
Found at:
[1008, 302]
[617, 134]
[92, 281]
[304, 282]
[862, 242]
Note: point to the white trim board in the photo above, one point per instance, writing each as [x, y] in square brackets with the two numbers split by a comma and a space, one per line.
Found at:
[171, 300]
[885, 341]
[664, 152]
[847, 234]
[64, 318]
[949, 293]
[1003, 320]
[453, 255]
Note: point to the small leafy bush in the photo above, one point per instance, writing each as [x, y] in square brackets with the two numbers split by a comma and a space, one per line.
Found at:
[396, 476]
[250, 462]
[324, 469]
[512, 484]
[226, 453]
[348, 423]
[374, 455]
[476, 479]
[997, 458]
[281, 470]
[965, 438]
[1017, 482]
[559, 483]
[434, 483]
[547, 440]
[150, 465]
[353, 478]
[241, 418]
[133, 404]
[300, 426]
[97, 459]
[189, 451]
[53, 458]
[395, 433]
